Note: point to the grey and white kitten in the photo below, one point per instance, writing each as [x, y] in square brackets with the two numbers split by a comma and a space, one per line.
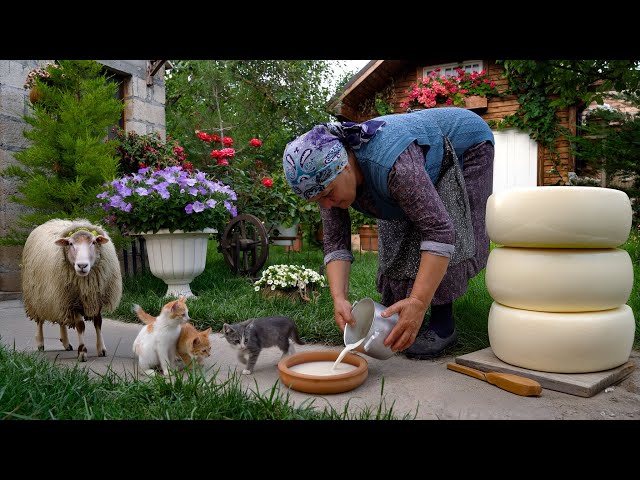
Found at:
[254, 334]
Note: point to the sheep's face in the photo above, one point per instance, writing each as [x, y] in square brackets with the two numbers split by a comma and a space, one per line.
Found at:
[82, 250]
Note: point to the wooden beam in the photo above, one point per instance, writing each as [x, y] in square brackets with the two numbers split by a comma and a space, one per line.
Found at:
[152, 68]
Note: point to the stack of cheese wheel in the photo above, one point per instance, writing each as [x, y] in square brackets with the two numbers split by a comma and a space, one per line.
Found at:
[558, 281]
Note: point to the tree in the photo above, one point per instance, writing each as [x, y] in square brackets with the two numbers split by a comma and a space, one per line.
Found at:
[544, 86]
[609, 142]
[69, 158]
[235, 101]
[273, 100]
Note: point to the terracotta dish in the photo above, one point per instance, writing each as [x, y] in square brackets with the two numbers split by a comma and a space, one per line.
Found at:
[322, 384]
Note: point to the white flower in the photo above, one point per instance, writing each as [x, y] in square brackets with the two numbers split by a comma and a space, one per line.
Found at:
[289, 277]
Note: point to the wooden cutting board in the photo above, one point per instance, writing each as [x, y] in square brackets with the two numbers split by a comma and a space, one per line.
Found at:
[580, 384]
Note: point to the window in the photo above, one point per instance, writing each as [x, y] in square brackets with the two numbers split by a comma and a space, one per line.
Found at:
[449, 69]
[119, 80]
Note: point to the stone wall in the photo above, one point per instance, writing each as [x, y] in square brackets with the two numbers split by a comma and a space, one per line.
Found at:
[144, 113]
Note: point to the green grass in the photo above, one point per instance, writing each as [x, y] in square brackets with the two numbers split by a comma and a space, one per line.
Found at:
[34, 389]
[225, 297]
[31, 387]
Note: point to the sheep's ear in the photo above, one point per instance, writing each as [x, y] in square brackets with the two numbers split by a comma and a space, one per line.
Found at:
[63, 242]
[102, 240]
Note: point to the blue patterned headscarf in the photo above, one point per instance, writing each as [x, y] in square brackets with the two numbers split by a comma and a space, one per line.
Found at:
[313, 160]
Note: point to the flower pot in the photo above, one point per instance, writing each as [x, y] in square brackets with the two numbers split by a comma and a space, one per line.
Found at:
[290, 234]
[473, 102]
[35, 95]
[177, 258]
[297, 245]
[309, 294]
[368, 238]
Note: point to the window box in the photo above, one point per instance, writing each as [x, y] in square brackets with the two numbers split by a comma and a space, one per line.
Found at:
[474, 102]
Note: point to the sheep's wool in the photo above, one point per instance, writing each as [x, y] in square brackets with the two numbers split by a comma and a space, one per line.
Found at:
[52, 291]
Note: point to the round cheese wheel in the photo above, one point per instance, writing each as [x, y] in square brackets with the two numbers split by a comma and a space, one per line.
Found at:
[561, 342]
[559, 279]
[559, 217]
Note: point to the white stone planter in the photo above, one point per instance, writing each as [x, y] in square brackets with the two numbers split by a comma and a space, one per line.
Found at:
[177, 258]
[286, 232]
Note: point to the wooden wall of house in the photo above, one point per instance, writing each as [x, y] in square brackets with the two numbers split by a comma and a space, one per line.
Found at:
[550, 172]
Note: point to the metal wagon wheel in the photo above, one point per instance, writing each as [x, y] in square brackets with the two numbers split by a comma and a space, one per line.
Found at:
[245, 245]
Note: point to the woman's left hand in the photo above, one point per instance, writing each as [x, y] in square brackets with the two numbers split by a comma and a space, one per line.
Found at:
[410, 317]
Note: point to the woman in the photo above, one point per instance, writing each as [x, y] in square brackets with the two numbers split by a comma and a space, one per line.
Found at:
[426, 177]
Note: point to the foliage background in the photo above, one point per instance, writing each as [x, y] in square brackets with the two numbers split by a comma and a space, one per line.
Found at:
[68, 160]
[272, 100]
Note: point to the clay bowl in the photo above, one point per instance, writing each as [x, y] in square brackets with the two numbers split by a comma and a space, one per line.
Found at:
[304, 382]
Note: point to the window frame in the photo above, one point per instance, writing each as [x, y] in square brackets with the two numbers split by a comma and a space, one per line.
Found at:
[465, 64]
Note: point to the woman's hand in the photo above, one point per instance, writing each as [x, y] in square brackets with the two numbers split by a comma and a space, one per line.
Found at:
[342, 313]
[411, 312]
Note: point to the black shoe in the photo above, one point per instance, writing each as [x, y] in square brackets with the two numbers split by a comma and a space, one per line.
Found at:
[429, 345]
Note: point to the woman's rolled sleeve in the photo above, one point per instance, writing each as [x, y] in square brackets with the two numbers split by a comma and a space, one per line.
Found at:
[336, 227]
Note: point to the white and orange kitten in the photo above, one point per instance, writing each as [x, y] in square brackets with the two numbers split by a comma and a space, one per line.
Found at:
[156, 343]
[193, 345]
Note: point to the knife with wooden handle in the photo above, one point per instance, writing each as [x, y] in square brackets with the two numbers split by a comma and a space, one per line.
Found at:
[506, 381]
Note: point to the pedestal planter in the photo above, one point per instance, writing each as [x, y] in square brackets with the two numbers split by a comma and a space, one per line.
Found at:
[177, 258]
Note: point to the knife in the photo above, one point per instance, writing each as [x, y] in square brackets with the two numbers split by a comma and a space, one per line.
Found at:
[506, 381]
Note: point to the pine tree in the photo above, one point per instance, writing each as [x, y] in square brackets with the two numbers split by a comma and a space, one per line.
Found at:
[69, 158]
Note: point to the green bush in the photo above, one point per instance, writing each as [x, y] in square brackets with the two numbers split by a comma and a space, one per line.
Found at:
[68, 161]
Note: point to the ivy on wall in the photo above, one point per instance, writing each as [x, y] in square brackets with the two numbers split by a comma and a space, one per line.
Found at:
[544, 86]
[536, 113]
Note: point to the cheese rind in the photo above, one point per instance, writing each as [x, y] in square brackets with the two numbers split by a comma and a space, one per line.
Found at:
[559, 217]
[561, 342]
[559, 280]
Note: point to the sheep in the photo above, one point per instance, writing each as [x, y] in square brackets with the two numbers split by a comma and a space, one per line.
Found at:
[70, 271]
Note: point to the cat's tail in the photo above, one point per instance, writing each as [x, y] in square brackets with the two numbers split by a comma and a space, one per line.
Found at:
[142, 315]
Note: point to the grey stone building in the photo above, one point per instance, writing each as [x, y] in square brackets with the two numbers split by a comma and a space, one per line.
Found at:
[141, 86]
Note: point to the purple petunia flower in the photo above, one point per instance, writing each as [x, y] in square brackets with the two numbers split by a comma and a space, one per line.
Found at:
[124, 191]
[189, 208]
[198, 207]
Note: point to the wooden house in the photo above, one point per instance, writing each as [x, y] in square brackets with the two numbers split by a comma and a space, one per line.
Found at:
[519, 160]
